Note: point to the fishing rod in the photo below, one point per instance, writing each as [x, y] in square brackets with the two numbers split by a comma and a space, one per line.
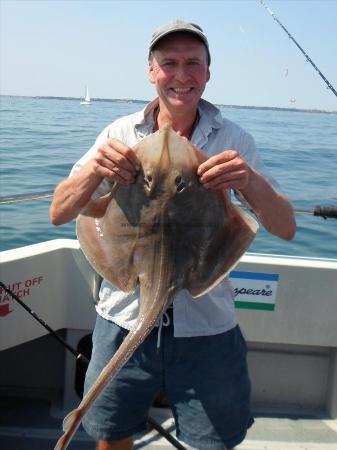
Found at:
[85, 362]
[83, 359]
[329, 85]
[326, 212]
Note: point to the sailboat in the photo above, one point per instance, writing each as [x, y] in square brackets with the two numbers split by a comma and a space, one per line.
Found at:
[86, 100]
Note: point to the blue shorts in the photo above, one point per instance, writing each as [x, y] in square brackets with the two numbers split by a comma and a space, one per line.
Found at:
[205, 380]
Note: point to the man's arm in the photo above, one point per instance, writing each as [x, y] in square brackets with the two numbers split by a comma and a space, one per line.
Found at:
[228, 170]
[113, 160]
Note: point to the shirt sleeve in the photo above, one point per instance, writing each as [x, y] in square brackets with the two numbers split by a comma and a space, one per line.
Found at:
[252, 157]
[103, 137]
[105, 186]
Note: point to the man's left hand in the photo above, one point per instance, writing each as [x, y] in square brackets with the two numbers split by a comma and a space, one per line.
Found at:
[226, 170]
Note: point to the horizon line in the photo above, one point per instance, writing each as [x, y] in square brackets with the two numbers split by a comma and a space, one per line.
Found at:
[102, 99]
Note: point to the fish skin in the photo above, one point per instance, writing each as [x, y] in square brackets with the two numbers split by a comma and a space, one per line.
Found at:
[165, 232]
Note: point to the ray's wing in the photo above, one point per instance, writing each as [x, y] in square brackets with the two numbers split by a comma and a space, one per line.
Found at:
[209, 235]
[118, 233]
[224, 245]
[110, 242]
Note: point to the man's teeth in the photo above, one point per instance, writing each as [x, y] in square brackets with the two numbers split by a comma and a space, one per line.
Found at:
[182, 90]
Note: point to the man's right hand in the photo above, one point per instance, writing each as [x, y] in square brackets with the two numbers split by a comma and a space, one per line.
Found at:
[116, 161]
[113, 160]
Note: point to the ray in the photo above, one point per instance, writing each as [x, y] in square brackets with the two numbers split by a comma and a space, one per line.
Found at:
[165, 232]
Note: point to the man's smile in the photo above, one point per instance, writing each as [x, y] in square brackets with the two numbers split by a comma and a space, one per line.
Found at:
[182, 91]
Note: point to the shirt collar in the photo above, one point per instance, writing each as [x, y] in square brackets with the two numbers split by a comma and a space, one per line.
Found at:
[210, 118]
[145, 121]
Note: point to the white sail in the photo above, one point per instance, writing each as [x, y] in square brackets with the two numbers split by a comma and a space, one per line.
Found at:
[87, 99]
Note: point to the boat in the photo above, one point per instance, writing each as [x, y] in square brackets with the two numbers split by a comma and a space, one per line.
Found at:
[287, 311]
[86, 100]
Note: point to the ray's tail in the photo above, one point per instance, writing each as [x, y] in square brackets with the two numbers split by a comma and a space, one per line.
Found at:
[136, 336]
[156, 293]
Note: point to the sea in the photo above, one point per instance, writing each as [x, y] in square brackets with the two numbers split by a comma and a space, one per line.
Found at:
[41, 138]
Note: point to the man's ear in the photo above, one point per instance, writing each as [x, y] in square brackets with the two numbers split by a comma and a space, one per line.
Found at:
[150, 73]
[208, 74]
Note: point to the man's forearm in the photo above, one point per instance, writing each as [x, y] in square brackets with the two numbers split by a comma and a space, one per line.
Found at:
[72, 194]
[272, 208]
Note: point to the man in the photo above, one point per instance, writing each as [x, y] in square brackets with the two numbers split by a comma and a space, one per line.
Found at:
[201, 362]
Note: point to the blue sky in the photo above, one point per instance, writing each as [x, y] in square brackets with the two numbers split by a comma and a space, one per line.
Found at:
[56, 47]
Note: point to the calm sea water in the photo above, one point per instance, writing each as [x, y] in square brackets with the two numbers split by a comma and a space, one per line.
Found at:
[42, 138]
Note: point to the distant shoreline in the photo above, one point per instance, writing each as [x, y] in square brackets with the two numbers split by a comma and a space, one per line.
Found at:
[143, 102]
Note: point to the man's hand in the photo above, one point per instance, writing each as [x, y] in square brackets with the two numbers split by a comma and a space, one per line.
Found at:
[116, 161]
[113, 160]
[226, 170]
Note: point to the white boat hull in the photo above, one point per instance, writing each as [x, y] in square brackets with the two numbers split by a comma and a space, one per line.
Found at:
[292, 345]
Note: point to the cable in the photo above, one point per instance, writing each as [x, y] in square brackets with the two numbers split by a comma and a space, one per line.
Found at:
[326, 212]
[25, 197]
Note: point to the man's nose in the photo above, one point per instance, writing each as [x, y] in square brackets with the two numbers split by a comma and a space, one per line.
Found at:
[182, 73]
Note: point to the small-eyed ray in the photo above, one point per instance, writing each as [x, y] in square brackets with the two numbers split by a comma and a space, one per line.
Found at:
[165, 232]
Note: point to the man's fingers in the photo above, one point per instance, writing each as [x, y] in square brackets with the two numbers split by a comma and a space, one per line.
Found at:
[123, 155]
[122, 177]
[116, 174]
[216, 160]
[121, 174]
[117, 161]
[106, 167]
[212, 172]
[233, 180]
[111, 157]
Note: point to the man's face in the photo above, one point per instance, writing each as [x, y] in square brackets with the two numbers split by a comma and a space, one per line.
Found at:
[179, 70]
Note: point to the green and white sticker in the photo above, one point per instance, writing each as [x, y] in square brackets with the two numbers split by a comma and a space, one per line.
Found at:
[254, 290]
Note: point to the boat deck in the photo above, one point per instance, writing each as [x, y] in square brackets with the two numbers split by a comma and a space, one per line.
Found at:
[26, 424]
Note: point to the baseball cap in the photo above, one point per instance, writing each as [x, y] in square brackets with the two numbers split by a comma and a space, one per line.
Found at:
[182, 26]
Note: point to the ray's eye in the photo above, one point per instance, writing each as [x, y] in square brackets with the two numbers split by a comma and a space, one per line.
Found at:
[180, 183]
[148, 181]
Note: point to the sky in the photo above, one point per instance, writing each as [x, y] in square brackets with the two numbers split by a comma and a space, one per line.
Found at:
[56, 47]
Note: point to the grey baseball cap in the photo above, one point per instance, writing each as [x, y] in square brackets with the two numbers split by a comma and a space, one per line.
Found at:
[182, 26]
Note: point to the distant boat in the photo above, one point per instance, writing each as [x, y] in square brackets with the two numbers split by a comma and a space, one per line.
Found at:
[86, 100]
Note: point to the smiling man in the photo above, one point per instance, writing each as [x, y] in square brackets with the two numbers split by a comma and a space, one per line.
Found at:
[201, 363]
[178, 67]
